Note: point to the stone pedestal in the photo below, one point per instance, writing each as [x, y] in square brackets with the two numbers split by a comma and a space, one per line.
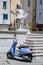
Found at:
[4, 27]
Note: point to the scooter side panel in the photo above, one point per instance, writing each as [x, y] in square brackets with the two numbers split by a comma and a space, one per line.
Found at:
[25, 51]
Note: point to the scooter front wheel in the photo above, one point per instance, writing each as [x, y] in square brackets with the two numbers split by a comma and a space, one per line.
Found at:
[9, 55]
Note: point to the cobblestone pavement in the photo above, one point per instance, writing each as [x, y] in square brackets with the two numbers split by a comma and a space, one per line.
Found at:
[19, 61]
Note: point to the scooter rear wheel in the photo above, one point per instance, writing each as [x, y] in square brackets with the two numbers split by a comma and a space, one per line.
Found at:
[30, 57]
[27, 57]
[9, 55]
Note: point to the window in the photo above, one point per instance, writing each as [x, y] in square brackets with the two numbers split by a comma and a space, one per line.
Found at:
[40, 2]
[4, 4]
[28, 2]
[40, 15]
[5, 16]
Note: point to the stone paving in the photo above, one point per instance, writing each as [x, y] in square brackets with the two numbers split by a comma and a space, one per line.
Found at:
[5, 61]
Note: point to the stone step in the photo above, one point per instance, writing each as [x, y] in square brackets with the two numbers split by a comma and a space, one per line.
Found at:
[37, 48]
[37, 51]
[35, 37]
[34, 45]
[32, 42]
[41, 40]
[34, 34]
[38, 54]
[35, 41]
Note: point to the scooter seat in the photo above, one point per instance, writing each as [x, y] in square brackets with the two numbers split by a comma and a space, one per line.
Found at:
[23, 46]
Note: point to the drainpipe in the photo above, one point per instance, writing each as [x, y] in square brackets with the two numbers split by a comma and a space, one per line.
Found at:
[35, 9]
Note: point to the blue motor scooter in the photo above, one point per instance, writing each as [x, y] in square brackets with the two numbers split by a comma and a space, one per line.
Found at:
[24, 52]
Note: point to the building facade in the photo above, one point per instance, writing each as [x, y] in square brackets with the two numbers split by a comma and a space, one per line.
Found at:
[39, 14]
[4, 11]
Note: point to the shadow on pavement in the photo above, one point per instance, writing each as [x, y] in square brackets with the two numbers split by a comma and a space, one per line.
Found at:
[21, 60]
